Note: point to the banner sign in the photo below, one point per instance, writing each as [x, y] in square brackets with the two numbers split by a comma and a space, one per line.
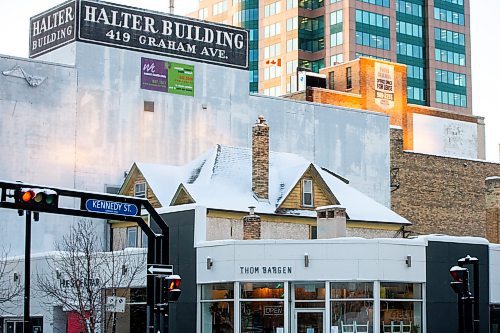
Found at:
[384, 85]
[167, 76]
[146, 31]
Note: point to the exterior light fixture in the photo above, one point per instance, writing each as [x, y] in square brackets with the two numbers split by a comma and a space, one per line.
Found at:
[306, 260]
[408, 260]
[210, 263]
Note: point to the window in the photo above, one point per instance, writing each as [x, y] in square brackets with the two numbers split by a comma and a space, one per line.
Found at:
[336, 59]
[449, 36]
[409, 50]
[336, 17]
[271, 72]
[256, 298]
[409, 29]
[292, 45]
[272, 9]
[272, 51]
[292, 23]
[378, 42]
[448, 16]
[144, 240]
[409, 8]
[457, 79]
[140, 190]
[400, 306]
[131, 237]
[291, 66]
[307, 192]
[348, 78]
[331, 80]
[203, 13]
[446, 97]
[415, 93]
[219, 7]
[217, 307]
[359, 54]
[352, 305]
[381, 21]
[383, 3]
[415, 72]
[272, 30]
[450, 57]
[291, 4]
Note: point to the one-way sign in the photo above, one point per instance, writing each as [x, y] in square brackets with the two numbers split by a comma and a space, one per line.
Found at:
[158, 269]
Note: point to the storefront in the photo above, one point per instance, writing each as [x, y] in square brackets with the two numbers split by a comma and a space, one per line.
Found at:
[311, 307]
[335, 286]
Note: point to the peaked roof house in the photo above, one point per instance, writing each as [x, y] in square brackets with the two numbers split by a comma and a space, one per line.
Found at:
[284, 189]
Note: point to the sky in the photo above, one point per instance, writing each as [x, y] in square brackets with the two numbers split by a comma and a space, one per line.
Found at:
[14, 36]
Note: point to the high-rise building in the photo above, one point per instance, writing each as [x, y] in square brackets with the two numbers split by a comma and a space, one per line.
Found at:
[432, 37]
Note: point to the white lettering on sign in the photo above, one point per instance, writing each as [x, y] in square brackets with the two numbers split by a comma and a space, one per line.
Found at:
[109, 205]
[52, 21]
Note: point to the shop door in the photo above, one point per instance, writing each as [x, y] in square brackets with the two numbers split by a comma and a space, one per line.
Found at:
[309, 321]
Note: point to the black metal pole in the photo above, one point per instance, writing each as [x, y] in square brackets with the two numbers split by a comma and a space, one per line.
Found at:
[460, 314]
[468, 314]
[150, 286]
[27, 273]
[476, 295]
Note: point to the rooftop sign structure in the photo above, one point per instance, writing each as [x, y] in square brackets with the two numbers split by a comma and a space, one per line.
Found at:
[108, 24]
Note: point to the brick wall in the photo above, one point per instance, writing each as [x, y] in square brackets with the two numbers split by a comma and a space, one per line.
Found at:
[440, 194]
[493, 209]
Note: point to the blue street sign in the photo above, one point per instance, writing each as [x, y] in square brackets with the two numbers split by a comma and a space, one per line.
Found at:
[111, 207]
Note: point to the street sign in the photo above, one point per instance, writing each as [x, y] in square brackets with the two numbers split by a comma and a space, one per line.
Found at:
[115, 304]
[156, 269]
[111, 207]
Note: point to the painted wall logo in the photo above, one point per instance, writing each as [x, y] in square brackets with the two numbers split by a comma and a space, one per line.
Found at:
[131, 28]
[167, 76]
[384, 85]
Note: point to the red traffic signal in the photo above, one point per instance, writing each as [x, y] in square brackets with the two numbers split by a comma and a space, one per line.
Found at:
[171, 288]
[460, 275]
[37, 197]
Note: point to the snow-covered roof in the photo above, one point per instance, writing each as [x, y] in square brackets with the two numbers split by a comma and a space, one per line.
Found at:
[222, 179]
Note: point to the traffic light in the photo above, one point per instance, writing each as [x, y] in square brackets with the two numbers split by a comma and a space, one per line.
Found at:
[171, 288]
[460, 283]
[36, 198]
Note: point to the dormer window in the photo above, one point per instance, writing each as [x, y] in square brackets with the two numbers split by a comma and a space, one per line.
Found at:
[307, 192]
[140, 190]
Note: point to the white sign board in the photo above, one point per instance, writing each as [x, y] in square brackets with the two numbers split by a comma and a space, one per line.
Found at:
[384, 85]
[115, 304]
[444, 137]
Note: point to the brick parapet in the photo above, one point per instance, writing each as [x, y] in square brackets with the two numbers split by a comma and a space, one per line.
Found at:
[440, 194]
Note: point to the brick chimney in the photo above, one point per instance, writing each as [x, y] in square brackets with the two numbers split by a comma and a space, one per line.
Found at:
[251, 225]
[493, 209]
[331, 222]
[260, 159]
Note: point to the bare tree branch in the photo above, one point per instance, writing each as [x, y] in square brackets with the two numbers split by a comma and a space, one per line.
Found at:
[81, 273]
[10, 282]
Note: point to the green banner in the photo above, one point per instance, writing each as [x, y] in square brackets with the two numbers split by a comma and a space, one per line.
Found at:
[180, 78]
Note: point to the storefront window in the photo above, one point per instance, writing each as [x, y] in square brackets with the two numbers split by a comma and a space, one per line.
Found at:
[400, 307]
[262, 306]
[217, 308]
[309, 295]
[352, 306]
